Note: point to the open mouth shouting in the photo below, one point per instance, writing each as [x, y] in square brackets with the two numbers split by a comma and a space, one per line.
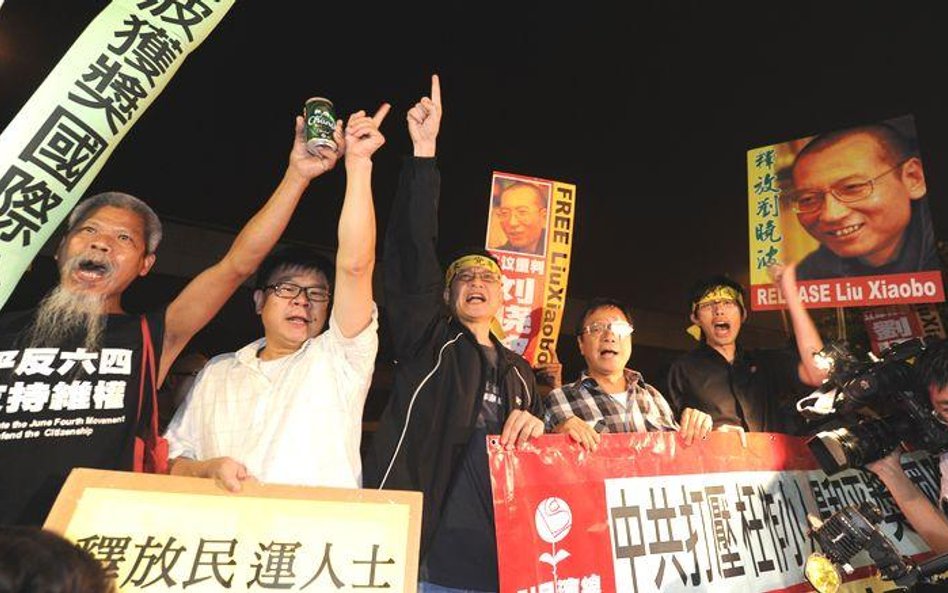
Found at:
[299, 320]
[721, 328]
[475, 297]
[91, 269]
[608, 353]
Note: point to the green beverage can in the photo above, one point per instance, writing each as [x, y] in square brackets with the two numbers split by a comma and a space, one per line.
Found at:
[320, 124]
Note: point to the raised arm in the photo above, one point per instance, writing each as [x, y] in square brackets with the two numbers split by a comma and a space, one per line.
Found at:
[808, 338]
[413, 277]
[203, 297]
[355, 260]
[424, 122]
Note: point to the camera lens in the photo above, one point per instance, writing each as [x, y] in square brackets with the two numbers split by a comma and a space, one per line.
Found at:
[853, 446]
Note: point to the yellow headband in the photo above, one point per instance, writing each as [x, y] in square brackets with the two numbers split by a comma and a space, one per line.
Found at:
[717, 293]
[469, 261]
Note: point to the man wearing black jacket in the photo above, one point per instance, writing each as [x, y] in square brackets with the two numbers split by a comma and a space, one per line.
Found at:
[454, 381]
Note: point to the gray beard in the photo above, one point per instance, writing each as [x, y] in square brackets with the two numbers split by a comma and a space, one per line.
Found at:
[63, 315]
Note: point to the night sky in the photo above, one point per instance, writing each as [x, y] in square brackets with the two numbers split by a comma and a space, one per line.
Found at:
[648, 107]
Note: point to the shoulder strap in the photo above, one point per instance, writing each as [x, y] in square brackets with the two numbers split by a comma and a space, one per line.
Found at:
[148, 367]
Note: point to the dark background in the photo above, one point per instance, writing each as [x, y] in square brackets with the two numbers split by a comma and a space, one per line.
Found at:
[648, 107]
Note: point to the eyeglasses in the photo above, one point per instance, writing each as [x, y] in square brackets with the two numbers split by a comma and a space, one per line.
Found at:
[288, 290]
[620, 329]
[808, 201]
[726, 304]
[485, 276]
[521, 212]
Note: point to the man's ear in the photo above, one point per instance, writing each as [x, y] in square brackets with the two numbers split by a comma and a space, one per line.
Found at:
[59, 248]
[447, 296]
[258, 298]
[147, 263]
[694, 319]
[913, 177]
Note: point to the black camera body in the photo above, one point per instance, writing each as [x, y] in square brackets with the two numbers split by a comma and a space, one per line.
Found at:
[855, 528]
[878, 405]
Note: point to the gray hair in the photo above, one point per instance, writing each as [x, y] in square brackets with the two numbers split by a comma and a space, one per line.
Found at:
[89, 206]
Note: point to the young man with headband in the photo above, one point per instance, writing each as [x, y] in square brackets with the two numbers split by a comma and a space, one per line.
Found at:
[744, 389]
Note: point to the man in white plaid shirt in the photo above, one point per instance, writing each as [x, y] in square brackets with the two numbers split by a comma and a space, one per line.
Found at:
[608, 397]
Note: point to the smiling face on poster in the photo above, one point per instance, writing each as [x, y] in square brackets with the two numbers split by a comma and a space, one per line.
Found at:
[852, 207]
[518, 218]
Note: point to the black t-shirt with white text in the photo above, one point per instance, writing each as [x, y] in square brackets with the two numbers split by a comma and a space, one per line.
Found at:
[63, 407]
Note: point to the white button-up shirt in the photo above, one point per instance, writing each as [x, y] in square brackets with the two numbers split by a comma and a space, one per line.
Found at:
[302, 427]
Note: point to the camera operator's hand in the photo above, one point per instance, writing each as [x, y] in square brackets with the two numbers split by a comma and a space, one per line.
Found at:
[888, 467]
[922, 515]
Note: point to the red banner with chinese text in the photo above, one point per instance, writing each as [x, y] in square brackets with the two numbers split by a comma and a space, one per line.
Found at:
[645, 513]
[887, 326]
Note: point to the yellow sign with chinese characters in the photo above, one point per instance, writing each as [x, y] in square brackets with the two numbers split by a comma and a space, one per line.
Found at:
[530, 231]
[851, 208]
[162, 533]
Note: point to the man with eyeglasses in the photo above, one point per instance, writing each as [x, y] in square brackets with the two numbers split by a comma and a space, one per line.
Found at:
[455, 383]
[608, 397]
[287, 408]
[861, 193]
[522, 210]
[78, 359]
[744, 390]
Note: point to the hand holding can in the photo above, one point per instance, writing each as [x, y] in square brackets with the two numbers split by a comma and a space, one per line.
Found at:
[320, 122]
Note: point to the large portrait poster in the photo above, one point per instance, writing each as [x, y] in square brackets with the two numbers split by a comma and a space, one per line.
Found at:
[851, 207]
[530, 231]
[646, 514]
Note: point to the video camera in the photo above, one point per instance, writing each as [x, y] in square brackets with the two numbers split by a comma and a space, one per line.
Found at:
[854, 529]
[875, 405]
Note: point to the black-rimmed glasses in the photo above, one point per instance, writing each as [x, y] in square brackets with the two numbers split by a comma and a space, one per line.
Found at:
[289, 290]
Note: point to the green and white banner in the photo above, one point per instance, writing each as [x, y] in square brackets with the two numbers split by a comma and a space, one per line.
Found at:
[61, 138]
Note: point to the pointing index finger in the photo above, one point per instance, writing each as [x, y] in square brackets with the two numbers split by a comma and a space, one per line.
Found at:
[436, 89]
[381, 113]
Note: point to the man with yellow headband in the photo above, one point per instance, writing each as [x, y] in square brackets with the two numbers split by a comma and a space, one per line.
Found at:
[744, 389]
[454, 381]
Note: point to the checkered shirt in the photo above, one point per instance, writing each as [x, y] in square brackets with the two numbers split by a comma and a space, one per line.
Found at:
[645, 409]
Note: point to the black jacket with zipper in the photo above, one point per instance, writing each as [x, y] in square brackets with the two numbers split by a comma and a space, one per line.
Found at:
[439, 381]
